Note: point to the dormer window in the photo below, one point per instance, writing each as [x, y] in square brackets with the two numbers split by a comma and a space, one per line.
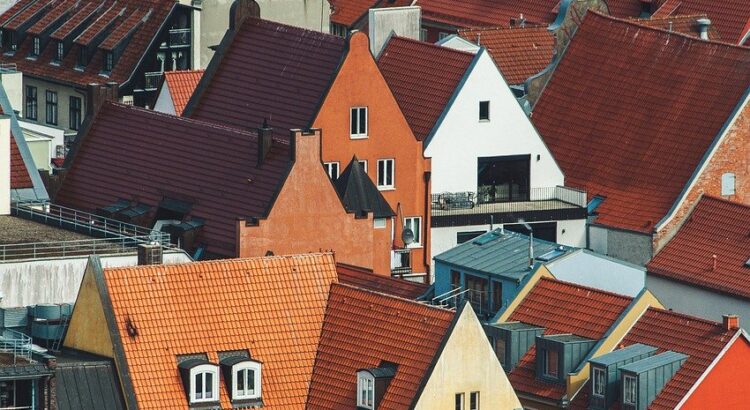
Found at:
[599, 382]
[109, 61]
[372, 385]
[242, 376]
[551, 363]
[36, 47]
[365, 390]
[559, 355]
[629, 390]
[201, 380]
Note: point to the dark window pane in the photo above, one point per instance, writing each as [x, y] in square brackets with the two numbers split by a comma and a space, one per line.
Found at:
[354, 121]
[209, 385]
[363, 121]
[484, 110]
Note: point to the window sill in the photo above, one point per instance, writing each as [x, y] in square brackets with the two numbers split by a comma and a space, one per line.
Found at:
[484, 120]
[386, 188]
[415, 246]
[358, 137]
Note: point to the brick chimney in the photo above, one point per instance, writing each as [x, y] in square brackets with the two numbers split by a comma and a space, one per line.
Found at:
[5, 137]
[731, 322]
[97, 94]
[265, 140]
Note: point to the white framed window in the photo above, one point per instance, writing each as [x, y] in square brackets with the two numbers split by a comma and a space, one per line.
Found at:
[599, 382]
[363, 164]
[459, 401]
[365, 390]
[629, 390]
[728, 181]
[332, 169]
[246, 380]
[386, 173]
[378, 223]
[204, 383]
[358, 122]
[551, 363]
[415, 224]
[474, 400]
[484, 110]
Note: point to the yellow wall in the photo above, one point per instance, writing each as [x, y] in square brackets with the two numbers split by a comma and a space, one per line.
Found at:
[468, 364]
[88, 330]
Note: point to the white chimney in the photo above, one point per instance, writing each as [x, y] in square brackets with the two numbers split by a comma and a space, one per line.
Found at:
[703, 25]
[5, 165]
[392, 21]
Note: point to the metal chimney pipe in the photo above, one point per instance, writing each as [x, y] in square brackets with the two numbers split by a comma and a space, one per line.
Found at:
[703, 25]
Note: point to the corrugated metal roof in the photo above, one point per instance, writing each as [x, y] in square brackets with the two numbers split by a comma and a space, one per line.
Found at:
[620, 355]
[88, 385]
[498, 252]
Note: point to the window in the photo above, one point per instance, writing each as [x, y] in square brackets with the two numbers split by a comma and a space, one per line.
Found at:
[363, 164]
[205, 384]
[339, 30]
[550, 363]
[358, 122]
[599, 382]
[51, 107]
[332, 169]
[74, 114]
[423, 34]
[246, 383]
[459, 401]
[497, 296]
[484, 111]
[60, 151]
[378, 223]
[474, 400]
[415, 224]
[37, 46]
[443, 35]
[366, 391]
[109, 61]
[60, 50]
[31, 103]
[462, 237]
[385, 173]
[728, 184]
[629, 390]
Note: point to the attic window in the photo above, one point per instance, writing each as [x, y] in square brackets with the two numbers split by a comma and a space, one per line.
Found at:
[200, 379]
[599, 381]
[242, 376]
[629, 390]
[60, 51]
[484, 111]
[373, 383]
[365, 390]
[109, 61]
[36, 47]
[551, 363]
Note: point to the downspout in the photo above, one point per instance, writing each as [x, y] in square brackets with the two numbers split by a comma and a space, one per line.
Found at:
[428, 223]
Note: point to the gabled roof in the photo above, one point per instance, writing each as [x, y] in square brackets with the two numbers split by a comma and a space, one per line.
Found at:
[106, 13]
[361, 330]
[422, 98]
[359, 194]
[61, 8]
[367, 279]
[273, 307]
[675, 95]
[701, 340]
[268, 70]
[19, 175]
[159, 156]
[181, 86]
[348, 12]
[560, 308]
[716, 227]
[487, 13]
[519, 53]
[681, 24]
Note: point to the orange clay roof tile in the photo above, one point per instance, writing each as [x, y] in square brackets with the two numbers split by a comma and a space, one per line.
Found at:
[181, 86]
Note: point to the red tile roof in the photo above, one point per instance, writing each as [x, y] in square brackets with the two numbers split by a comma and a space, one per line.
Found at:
[367, 279]
[15, 10]
[126, 64]
[132, 22]
[61, 8]
[27, 13]
[674, 95]
[422, 98]
[487, 13]
[561, 308]
[519, 52]
[160, 155]
[278, 72]
[348, 12]
[19, 175]
[273, 307]
[364, 328]
[715, 227]
[181, 86]
[681, 24]
[699, 339]
[109, 17]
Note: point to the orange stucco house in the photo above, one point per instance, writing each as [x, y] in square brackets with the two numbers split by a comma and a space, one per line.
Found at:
[361, 118]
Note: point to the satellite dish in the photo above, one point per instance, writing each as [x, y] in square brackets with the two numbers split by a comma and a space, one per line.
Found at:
[407, 235]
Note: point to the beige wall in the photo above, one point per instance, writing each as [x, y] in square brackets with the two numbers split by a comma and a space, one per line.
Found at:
[468, 364]
[63, 99]
[88, 330]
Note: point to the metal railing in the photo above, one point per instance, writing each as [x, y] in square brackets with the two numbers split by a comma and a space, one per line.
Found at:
[479, 300]
[400, 261]
[489, 197]
[16, 344]
[39, 250]
[179, 37]
[8, 68]
[151, 80]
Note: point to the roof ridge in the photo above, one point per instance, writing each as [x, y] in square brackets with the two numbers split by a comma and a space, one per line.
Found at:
[685, 316]
[669, 17]
[411, 40]
[589, 288]
[217, 126]
[504, 28]
[399, 298]
[272, 23]
[723, 200]
[231, 261]
[665, 31]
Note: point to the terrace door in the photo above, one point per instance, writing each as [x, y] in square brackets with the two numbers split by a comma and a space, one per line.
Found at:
[504, 179]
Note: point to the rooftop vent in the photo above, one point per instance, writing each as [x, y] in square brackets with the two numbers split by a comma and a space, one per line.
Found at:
[703, 26]
[265, 139]
[731, 322]
[150, 254]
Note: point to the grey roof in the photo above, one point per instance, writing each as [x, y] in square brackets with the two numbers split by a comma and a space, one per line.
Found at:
[567, 338]
[654, 362]
[359, 194]
[515, 326]
[24, 371]
[499, 252]
[625, 353]
[88, 385]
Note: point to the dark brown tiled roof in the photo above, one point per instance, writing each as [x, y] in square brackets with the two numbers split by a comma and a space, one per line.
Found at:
[422, 98]
[143, 155]
[487, 13]
[361, 330]
[14, 10]
[674, 95]
[131, 23]
[560, 308]
[715, 228]
[109, 14]
[268, 71]
[28, 13]
[519, 53]
[681, 24]
[348, 12]
[367, 279]
[60, 9]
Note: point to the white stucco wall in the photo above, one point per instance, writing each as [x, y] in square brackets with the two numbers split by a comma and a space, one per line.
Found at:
[572, 233]
[5, 165]
[698, 302]
[461, 138]
[57, 280]
[589, 269]
[164, 101]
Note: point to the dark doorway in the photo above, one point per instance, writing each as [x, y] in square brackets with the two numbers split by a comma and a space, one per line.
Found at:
[503, 179]
[543, 230]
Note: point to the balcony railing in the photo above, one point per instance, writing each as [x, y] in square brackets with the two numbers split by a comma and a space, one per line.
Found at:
[151, 80]
[479, 300]
[400, 262]
[179, 37]
[476, 206]
[16, 344]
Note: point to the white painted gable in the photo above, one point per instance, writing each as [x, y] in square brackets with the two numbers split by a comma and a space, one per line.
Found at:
[164, 102]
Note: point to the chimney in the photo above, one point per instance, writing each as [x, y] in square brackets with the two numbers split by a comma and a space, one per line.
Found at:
[97, 94]
[703, 25]
[731, 322]
[531, 249]
[383, 23]
[305, 146]
[265, 139]
[5, 137]
[150, 254]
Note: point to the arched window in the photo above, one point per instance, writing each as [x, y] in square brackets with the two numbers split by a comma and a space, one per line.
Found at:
[246, 380]
[205, 384]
